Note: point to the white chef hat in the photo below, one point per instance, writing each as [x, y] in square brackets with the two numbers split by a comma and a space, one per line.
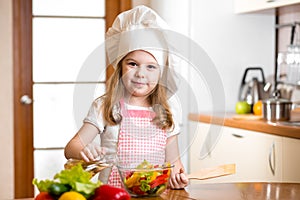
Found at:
[141, 28]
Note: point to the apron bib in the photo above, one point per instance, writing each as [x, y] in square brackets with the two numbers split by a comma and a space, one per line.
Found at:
[139, 139]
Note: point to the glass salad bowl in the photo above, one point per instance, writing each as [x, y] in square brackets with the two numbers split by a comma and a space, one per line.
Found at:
[145, 180]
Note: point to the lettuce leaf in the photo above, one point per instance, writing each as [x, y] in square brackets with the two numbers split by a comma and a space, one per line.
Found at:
[76, 177]
[42, 185]
[73, 175]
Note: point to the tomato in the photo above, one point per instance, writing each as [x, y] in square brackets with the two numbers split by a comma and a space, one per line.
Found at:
[58, 188]
[44, 196]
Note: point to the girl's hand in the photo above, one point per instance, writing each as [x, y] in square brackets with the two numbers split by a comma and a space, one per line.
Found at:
[178, 180]
[91, 152]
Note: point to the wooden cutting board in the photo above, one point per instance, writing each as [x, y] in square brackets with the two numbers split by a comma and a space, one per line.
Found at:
[247, 116]
[208, 173]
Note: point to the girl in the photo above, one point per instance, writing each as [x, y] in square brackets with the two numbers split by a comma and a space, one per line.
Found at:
[133, 118]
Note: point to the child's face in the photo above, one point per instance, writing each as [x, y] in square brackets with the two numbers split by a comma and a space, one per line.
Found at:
[140, 73]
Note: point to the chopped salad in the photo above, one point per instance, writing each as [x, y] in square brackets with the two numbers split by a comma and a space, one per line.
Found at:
[147, 179]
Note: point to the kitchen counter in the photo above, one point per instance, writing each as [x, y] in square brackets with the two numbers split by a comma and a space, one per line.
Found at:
[232, 191]
[285, 129]
[235, 191]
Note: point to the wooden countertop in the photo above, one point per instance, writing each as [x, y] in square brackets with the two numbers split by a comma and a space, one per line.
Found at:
[260, 125]
[236, 191]
[232, 191]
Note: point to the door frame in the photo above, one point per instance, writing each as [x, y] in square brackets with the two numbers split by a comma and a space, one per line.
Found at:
[23, 113]
[22, 77]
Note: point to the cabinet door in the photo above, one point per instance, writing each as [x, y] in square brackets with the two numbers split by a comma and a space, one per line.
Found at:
[257, 156]
[199, 132]
[244, 6]
[291, 160]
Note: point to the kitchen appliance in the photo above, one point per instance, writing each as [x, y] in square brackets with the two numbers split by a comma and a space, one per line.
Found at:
[254, 90]
[276, 108]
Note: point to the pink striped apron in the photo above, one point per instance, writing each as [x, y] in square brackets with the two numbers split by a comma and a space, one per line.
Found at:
[139, 139]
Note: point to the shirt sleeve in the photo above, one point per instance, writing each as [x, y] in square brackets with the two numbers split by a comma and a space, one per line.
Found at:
[94, 115]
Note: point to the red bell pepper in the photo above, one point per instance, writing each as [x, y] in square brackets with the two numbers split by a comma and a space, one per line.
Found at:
[108, 192]
[159, 180]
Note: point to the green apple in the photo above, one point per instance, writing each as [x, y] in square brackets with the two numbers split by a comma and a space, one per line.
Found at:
[242, 107]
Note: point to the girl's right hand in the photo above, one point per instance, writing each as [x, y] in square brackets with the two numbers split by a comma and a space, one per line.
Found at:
[92, 151]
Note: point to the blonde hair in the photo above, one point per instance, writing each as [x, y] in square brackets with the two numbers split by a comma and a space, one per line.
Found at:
[115, 90]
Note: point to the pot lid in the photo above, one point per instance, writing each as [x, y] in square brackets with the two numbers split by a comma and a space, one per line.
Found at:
[277, 101]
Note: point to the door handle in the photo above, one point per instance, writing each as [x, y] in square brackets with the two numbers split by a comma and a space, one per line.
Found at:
[26, 100]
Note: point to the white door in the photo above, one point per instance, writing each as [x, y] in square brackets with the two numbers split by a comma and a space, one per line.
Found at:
[68, 73]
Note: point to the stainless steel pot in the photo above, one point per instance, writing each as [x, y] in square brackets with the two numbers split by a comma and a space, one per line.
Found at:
[277, 109]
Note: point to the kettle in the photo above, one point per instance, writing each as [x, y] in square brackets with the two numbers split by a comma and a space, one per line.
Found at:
[254, 90]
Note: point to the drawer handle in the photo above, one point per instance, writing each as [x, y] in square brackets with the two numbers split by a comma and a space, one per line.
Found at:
[272, 155]
[237, 135]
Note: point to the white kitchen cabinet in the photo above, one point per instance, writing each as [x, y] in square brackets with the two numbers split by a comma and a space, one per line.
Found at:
[257, 156]
[291, 160]
[245, 6]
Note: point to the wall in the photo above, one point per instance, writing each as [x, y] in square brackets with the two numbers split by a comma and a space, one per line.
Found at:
[233, 42]
[6, 102]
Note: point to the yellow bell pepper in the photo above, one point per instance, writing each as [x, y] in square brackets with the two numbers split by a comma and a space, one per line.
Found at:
[132, 180]
[153, 177]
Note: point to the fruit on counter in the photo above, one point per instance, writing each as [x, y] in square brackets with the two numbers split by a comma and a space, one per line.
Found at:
[107, 192]
[257, 108]
[72, 195]
[242, 107]
[75, 179]
[75, 183]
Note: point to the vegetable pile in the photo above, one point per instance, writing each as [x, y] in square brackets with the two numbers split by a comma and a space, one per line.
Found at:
[75, 183]
[146, 179]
